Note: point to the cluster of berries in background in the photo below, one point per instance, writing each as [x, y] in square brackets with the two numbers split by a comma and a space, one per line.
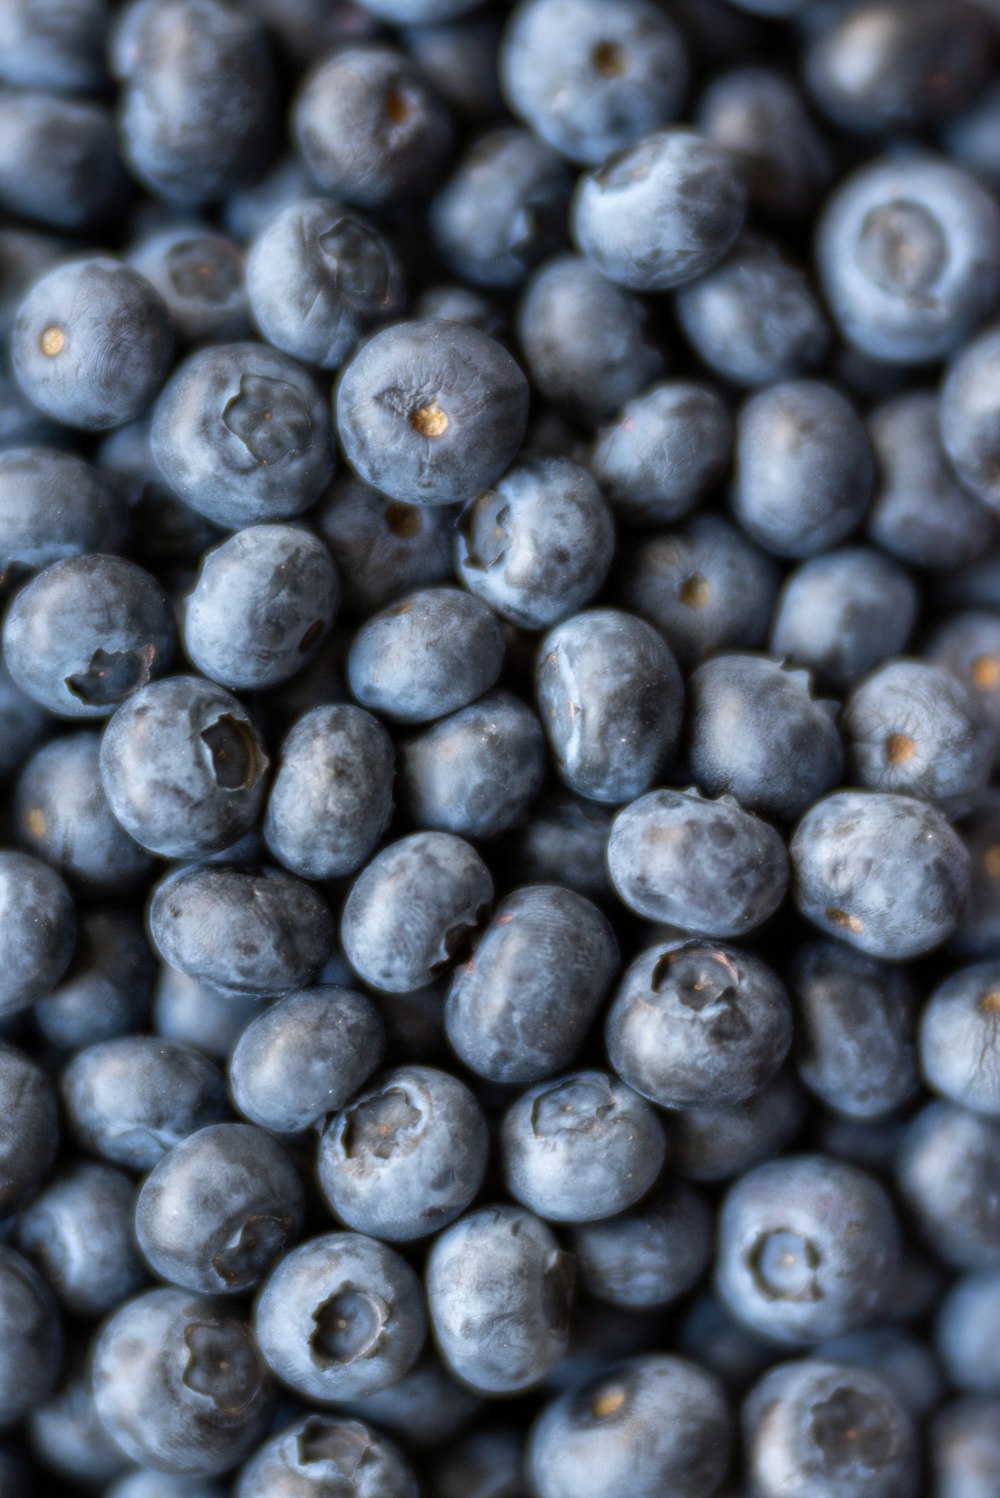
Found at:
[499, 719]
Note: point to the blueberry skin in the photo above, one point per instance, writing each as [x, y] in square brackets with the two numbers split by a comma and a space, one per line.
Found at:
[69, 1439]
[87, 632]
[960, 1038]
[697, 1025]
[143, 1482]
[585, 1444]
[978, 932]
[179, 1384]
[789, 748]
[54, 505]
[92, 343]
[720, 1143]
[29, 1128]
[965, 1448]
[482, 1464]
[970, 138]
[197, 107]
[199, 273]
[705, 586]
[371, 128]
[219, 1209]
[914, 729]
[340, 1317]
[304, 1057]
[503, 209]
[460, 59]
[261, 604]
[564, 843]
[32, 1344]
[664, 452]
[424, 1410]
[814, 1427]
[59, 161]
[322, 1456]
[246, 931]
[948, 1175]
[590, 80]
[22, 724]
[884, 873]
[650, 1256]
[242, 434]
[610, 698]
[418, 12]
[967, 1333]
[38, 926]
[584, 340]
[431, 412]
[183, 767]
[382, 548]
[854, 1030]
[580, 1148]
[406, 1156]
[844, 612]
[968, 645]
[919, 512]
[907, 1365]
[498, 1296]
[331, 799]
[808, 1248]
[753, 318]
[432, 652]
[107, 988]
[538, 545]
[969, 415]
[907, 255]
[704, 866]
[62, 816]
[193, 1014]
[520, 1009]
[413, 911]
[79, 1232]
[682, 198]
[54, 45]
[318, 277]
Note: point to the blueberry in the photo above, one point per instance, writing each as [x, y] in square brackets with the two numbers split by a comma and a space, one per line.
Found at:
[610, 698]
[965, 1448]
[719, 1143]
[498, 1296]
[757, 731]
[29, 1128]
[971, 135]
[199, 274]
[885, 873]
[32, 1341]
[907, 255]
[968, 1333]
[808, 1247]
[432, 652]
[564, 843]
[53, 45]
[431, 412]
[413, 911]
[79, 1232]
[855, 1026]
[37, 930]
[382, 547]
[418, 12]
[697, 1025]
[179, 1384]
[588, 79]
[242, 434]
[650, 1255]
[705, 586]
[304, 1057]
[371, 128]
[484, 1464]
[960, 1038]
[585, 1444]
[948, 1174]
[424, 1410]
[248, 931]
[536, 546]
[318, 277]
[970, 417]
[907, 1365]
[22, 723]
[323, 1455]
[664, 452]
[144, 1482]
[191, 1013]
[701, 865]
[106, 990]
[844, 612]
[59, 162]
[968, 645]
[68, 1437]
[339, 1317]
[406, 1156]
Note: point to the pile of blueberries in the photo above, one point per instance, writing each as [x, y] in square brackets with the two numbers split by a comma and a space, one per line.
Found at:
[499, 733]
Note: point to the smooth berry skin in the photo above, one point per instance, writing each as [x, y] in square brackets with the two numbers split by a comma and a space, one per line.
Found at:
[650, 1255]
[340, 1317]
[412, 909]
[29, 1131]
[83, 186]
[383, 548]
[610, 698]
[564, 843]
[37, 930]
[91, 344]
[968, 645]
[948, 1175]
[584, 1444]
[907, 1365]
[697, 1025]
[68, 1437]
[143, 1482]
[807, 1248]
[431, 412]
[735, 868]
[193, 1014]
[85, 633]
[79, 1231]
[241, 433]
[22, 724]
[537, 546]
[406, 1156]
[964, 1448]
[712, 1144]
[978, 933]
[424, 1410]
[54, 46]
[54, 505]
[885, 873]
[179, 1384]
[580, 1148]
[960, 1038]
[498, 1296]
[33, 1343]
[107, 988]
[969, 417]
[183, 767]
[520, 1009]
[199, 273]
[326, 1454]
[966, 1332]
